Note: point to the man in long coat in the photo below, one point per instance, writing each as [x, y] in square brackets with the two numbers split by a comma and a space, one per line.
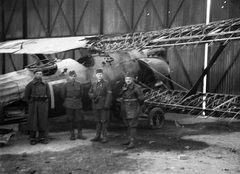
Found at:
[37, 95]
[101, 95]
[72, 92]
[132, 99]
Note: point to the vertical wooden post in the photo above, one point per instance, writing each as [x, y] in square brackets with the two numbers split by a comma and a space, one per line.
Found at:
[3, 35]
[25, 28]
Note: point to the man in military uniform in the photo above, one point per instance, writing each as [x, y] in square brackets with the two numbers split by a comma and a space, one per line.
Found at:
[72, 92]
[101, 95]
[132, 99]
[37, 96]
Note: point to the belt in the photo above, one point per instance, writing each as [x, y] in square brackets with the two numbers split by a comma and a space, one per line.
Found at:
[39, 98]
[74, 97]
[128, 100]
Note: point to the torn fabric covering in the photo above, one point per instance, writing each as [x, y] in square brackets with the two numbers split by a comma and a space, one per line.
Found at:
[43, 46]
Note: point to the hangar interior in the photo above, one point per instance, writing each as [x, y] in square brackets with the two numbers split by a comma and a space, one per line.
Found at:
[22, 19]
[180, 26]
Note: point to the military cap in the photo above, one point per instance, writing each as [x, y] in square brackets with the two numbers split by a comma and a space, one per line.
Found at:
[99, 71]
[129, 74]
[38, 70]
[71, 73]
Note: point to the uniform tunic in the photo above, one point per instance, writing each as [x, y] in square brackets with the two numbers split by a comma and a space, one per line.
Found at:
[72, 93]
[101, 94]
[132, 97]
[37, 95]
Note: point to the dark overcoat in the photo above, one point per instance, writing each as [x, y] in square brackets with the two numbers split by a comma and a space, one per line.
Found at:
[37, 95]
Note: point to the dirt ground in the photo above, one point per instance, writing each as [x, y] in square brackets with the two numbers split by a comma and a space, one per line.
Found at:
[198, 146]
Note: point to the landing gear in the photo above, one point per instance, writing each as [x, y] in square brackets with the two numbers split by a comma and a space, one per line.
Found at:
[156, 118]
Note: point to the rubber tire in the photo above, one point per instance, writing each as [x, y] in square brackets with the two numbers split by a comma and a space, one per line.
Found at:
[156, 112]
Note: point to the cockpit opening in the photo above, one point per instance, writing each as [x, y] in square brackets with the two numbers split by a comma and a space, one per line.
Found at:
[86, 60]
[48, 65]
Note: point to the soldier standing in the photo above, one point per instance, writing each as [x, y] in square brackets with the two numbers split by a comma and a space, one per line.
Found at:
[37, 96]
[132, 99]
[72, 92]
[101, 95]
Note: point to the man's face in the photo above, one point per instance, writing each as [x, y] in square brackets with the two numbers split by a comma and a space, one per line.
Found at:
[38, 75]
[128, 80]
[99, 76]
[72, 77]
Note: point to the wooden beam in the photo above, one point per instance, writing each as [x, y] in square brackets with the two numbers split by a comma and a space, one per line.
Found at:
[193, 90]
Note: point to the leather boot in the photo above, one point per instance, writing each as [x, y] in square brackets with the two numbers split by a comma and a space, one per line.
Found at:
[132, 132]
[80, 136]
[126, 142]
[104, 140]
[98, 134]
[131, 144]
[43, 140]
[97, 137]
[33, 141]
[72, 137]
[104, 132]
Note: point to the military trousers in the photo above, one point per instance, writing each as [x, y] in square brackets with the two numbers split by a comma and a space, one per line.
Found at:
[75, 116]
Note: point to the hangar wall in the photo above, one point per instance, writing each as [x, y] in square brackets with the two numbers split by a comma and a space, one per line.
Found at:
[56, 18]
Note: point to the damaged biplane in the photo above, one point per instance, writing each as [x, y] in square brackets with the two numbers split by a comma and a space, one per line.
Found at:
[149, 66]
[141, 53]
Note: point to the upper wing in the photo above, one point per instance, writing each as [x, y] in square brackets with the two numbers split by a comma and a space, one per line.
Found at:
[44, 46]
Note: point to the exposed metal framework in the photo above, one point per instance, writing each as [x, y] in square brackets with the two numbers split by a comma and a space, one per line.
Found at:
[220, 31]
[209, 104]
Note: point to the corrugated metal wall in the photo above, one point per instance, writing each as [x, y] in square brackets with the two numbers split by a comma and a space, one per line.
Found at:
[55, 18]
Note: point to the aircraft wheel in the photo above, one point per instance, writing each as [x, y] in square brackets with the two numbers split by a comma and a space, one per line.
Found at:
[156, 118]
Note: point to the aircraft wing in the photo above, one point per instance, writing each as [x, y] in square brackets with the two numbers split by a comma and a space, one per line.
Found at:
[44, 45]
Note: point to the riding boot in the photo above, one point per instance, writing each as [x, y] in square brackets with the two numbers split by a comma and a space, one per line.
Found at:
[33, 140]
[104, 132]
[132, 138]
[71, 129]
[131, 144]
[42, 137]
[98, 133]
[72, 137]
[80, 135]
[128, 140]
